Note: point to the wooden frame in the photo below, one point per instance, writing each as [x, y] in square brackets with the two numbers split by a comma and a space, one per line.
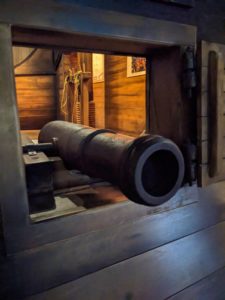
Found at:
[211, 137]
[58, 26]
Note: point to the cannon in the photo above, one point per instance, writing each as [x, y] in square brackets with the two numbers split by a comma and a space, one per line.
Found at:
[148, 169]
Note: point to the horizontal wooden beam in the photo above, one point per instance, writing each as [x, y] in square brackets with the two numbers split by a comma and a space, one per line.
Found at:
[73, 18]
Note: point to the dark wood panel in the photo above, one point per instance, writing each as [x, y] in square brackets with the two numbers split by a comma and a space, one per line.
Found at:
[170, 111]
[185, 3]
[209, 88]
[96, 249]
[156, 274]
[101, 23]
[26, 123]
[37, 111]
[125, 97]
[209, 288]
[12, 165]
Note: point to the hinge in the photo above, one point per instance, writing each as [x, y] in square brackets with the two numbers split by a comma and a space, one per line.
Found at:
[189, 72]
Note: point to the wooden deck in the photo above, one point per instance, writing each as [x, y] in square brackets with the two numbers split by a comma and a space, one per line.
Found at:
[178, 254]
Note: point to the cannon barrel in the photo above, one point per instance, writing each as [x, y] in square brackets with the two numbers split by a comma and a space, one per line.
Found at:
[149, 169]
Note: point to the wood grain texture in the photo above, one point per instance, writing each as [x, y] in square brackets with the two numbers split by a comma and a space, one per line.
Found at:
[64, 16]
[35, 89]
[170, 111]
[156, 274]
[99, 99]
[40, 62]
[216, 108]
[206, 112]
[209, 288]
[12, 165]
[36, 100]
[125, 97]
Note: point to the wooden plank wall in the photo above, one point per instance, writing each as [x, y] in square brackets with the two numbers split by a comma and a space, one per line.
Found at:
[36, 101]
[99, 100]
[206, 138]
[125, 97]
[119, 100]
[170, 110]
[35, 88]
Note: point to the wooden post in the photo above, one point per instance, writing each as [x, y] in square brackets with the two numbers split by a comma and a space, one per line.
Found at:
[215, 106]
[147, 97]
[85, 98]
[13, 196]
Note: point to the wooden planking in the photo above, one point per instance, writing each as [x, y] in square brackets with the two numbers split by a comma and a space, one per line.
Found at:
[215, 112]
[131, 238]
[95, 219]
[99, 99]
[35, 89]
[204, 153]
[170, 111]
[204, 114]
[203, 130]
[156, 274]
[60, 77]
[34, 82]
[205, 170]
[125, 97]
[36, 100]
[209, 288]
[41, 62]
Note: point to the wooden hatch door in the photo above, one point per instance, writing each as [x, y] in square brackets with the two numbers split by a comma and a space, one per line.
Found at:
[211, 114]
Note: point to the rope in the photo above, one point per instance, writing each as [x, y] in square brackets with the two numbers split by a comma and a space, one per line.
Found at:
[74, 79]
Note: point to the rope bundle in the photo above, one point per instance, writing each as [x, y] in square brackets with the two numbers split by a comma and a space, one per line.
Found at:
[70, 104]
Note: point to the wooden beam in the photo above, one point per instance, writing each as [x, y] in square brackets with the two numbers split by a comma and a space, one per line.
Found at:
[13, 196]
[69, 17]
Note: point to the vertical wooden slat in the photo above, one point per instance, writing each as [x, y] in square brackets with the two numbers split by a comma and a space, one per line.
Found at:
[148, 96]
[210, 114]
[85, 98]
[13, 200]
[215, 107]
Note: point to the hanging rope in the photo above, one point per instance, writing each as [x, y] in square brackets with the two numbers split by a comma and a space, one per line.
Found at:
[76, 105]
[73, 79]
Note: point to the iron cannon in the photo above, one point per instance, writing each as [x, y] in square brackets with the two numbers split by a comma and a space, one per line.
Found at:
[148, 169]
